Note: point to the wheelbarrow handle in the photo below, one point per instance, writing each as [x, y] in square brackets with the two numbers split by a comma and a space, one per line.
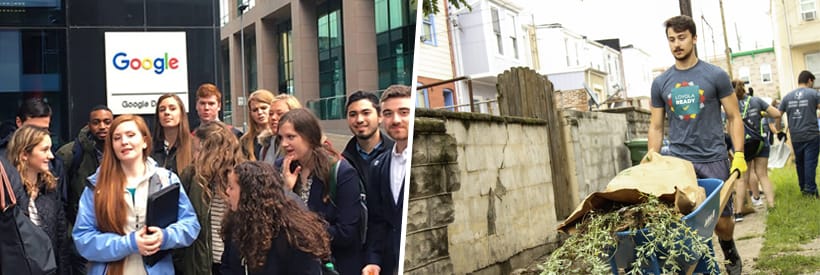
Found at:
[728, 188]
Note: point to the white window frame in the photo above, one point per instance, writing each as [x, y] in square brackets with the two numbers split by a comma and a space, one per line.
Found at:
[495, 17]
[429, 22]
[813, 64]
[766, 70]
[808, 13]
[513, 34]
[744, 74]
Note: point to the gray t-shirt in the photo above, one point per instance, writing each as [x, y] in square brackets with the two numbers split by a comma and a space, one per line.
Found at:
[692, 101]
[801, 107]
[752, 120]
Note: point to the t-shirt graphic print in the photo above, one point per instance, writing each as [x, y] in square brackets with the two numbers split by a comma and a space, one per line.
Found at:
[686, 100]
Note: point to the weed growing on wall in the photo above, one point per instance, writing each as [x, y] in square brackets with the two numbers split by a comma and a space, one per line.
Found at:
[589, 249]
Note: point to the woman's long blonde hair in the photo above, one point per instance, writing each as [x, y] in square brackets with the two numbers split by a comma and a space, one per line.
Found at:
[23, 142]
[260, 96]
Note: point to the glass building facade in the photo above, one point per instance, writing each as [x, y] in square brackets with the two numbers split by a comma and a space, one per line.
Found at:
[395, 38]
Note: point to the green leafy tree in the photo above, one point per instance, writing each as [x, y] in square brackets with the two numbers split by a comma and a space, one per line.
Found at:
[431, 6]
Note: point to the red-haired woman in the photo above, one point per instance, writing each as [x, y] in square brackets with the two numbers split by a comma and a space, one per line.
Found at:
[110, 230]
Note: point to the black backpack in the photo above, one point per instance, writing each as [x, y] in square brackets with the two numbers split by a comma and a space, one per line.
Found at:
[362, 199]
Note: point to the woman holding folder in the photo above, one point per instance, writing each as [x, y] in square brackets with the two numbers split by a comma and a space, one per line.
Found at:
[111, 230]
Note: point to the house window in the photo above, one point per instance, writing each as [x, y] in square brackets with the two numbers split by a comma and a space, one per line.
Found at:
[566, 50]
[497, 30]
[808, 10]
[766, 73]
[422, 101]
[513, 34]
[813, 64]
[448, 99]
[744, 74]
[428, 31]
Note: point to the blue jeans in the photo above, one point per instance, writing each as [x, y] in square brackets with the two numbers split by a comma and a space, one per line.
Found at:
[805, 158]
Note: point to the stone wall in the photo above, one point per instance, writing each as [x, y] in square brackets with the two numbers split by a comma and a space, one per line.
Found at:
[637, 121]
[597, 149]
[481, 190]
[485, 181]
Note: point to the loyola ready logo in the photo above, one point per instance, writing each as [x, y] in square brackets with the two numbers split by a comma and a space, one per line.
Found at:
[122, 62]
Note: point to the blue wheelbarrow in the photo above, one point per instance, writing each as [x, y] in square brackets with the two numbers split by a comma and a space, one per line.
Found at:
[702, 220]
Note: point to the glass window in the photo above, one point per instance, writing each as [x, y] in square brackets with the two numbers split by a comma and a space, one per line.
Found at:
[224, 59]
[250, 63]
[31, 13]
[813, 65]
[395, 45]
[250, 4]
[224, 12]
[31, 63]
[766, 73]
[285, 58]
[497, 29]
[422, 101]
[808, 10]
[744, 74]
[428, 30]
[448, 99]
[331, 62]
[513, 35]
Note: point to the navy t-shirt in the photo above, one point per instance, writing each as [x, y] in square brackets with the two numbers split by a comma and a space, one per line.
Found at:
[691, 99]
[801, 107]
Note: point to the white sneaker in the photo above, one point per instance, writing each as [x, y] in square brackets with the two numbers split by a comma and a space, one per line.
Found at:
[757, 202]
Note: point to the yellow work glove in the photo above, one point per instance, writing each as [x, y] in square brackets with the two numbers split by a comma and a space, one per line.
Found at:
[739, 163]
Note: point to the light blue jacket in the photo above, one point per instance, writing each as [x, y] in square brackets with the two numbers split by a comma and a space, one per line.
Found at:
[101, 248]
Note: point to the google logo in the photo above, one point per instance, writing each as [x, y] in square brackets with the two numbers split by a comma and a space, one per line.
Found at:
[159, 64]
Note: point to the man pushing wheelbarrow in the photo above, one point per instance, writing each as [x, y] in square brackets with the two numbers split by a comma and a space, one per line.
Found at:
[690, 95]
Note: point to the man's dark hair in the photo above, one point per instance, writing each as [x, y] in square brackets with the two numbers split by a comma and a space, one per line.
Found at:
[100, 107]
[680, 23]
[359, 95]
[33, 107]
[804, 77]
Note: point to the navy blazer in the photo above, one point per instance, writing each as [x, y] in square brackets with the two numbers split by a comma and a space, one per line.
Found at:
[385, 215]
[343, 217]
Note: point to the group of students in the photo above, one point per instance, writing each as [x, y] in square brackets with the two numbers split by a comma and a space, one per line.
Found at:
[277, 199]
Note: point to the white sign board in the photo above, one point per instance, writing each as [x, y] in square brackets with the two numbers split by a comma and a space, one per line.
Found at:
[142, 66]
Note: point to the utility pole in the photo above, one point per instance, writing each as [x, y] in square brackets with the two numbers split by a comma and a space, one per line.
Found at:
[737, 35]
[686, 9]
[726, 42]
[536, 63]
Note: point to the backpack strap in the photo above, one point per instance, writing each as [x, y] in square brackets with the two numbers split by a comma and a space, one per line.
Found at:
[334, 173]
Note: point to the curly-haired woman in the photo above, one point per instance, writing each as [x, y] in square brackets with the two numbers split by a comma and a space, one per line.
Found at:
[267, 232]
[217, 151]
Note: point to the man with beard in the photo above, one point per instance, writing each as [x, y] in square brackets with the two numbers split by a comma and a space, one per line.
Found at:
[88, 144]
[385, 191]
[690, 95]
[368, 142]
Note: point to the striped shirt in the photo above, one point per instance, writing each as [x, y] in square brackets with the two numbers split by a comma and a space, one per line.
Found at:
[32, 212]
[217, 211]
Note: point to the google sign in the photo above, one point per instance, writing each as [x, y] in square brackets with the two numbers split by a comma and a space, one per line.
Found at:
[159, 64]
[141, 66]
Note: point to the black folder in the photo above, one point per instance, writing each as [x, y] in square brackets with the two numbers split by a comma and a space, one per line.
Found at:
[161, 212]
